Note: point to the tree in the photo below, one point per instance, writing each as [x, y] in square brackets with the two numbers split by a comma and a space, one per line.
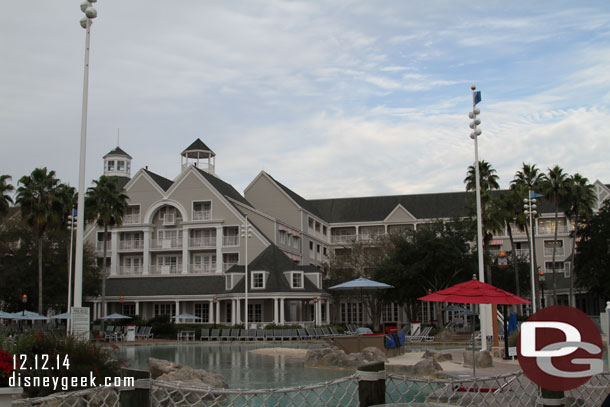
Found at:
[5, 199]
[41, 201]
[555, 189]
[107, 203]
[492, 223]
[593, 253]
[581, 199]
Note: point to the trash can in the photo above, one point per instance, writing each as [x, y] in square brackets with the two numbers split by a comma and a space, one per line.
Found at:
[131, 333]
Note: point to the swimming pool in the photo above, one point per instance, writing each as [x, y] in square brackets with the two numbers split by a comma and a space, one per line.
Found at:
[240, 368]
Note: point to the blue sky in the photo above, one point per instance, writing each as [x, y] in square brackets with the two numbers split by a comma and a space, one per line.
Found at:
[342, 98]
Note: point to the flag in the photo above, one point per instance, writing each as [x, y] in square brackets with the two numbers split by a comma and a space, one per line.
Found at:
[533, 194]
[477, 97]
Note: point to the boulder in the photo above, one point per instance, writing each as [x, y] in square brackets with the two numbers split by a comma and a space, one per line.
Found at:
[175, 372]
[437, 356]
[337, 358]
[373, 354]
[482, 358]
[425, 367]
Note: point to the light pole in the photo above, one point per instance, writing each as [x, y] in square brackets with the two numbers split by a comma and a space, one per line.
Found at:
[246, 234]
[24, 300]
[541, 280]
[72, 220]
[529, 208]
[476, 132]
[90, 13]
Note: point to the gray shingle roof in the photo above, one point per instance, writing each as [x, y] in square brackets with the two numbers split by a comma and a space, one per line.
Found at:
[175, 285]
[198, 145]
[163, 182]
[118, 151]
[121, 181]
[223, 187]
[302, 202]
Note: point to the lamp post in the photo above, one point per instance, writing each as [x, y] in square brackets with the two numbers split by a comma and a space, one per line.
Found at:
[24, 300]
[315, 310]
[246, 234]
[541, 281]
[90, 13]
[529, 208]
[214, 309]
[72, 221]
[476, 132]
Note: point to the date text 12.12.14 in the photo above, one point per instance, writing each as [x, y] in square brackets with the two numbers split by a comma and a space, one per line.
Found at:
[40, 362]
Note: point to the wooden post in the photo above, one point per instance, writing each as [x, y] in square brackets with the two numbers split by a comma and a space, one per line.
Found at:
[552, 398]
[371, 384]
[138, 397]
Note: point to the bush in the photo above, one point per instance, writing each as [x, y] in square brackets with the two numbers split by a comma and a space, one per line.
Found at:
[275, 326]
[162, 327]
[82, 359]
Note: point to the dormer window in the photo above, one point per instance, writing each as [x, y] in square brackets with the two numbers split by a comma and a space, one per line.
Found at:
[296, 280]
[110, 165]
[120, 165]
[258, 280]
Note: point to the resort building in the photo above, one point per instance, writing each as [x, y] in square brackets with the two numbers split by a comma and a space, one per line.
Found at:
[183, 246]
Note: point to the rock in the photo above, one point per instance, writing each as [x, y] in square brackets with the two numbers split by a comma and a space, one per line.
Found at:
[373, 354]
[437, 356]
[427, 367]
[337, 358]
[314, 355]
[482, 358]
[175, 372]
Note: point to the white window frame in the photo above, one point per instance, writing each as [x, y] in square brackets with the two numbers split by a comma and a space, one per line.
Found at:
[292, 276]
[209, 211]
[264, 280]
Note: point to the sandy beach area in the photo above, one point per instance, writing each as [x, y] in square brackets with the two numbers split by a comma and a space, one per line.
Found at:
[288, 352]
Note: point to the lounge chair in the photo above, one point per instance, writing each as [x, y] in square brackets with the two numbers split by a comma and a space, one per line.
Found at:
[292, 334]
[260, 334]
[312, 333]
[319, 332]
[215, 335]
[326, 332]
[423, 336]
[334, 332]
[205, 334]
[225, 335]
[277, 334]
[303, 334]
[234, 335]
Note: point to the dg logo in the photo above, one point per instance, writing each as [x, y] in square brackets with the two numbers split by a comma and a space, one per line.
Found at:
[560, 348]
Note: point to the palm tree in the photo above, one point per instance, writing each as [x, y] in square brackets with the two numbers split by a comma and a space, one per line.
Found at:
[555, 189]
[581, 199]
[508, 207]
[528, 178]
[491, 221]
[106, 203]
[39, 198]
[5, 199]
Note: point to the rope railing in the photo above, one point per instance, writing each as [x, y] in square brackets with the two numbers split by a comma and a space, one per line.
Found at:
[93, 397]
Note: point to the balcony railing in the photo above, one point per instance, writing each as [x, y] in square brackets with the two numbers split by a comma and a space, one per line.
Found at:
[202, 268]
[227, 266]
[129, 271]
[230, 240]
[174, 243]
[166, 269]
[131, 244]
[366, 237]
[131, 219]
[208, 242]
[525, 253]
[543, 230]
[548, 251]
[342, 238]
[202, 215]
[99, 246]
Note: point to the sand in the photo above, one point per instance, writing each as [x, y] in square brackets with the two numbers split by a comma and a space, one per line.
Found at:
[288, 352]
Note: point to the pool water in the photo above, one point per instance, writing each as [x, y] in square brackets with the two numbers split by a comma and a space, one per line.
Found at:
[240, 368]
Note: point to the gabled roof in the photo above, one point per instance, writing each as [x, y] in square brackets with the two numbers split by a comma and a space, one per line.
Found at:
[121, 181]
[223, 187]
[274, 261]
[198, 145]
[163, 182]
[118, 151]
[302, 202]
[175, 285]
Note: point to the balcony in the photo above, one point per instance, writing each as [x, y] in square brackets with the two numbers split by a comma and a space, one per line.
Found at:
[524, 253]
[131, 244]
[202, 215]
[202, 268]
[230, 241]
[366, 237]
[162, 270]
[544, 230]
[342, 238]
[206, 242]
[548, 251]
[130, 271]
[131, 219]
[99, 246]
[175, 243]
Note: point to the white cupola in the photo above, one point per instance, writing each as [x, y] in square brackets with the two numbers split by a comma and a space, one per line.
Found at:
[117, 163]
[199, 155]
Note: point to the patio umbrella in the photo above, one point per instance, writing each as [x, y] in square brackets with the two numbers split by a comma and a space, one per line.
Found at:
[185, 316]
[362, 284]
[29, 316]
[116, 316]
[475, 292]
[65, 315]
[6, 315]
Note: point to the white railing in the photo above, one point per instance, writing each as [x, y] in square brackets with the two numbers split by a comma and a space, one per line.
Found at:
[169, 219]
[548, 251]
[99, 246]
[230, 241]
[131, 219]
[166, 269]
[543, 230]
[202, 215]
[131, 244]
[365, 237]
[522, 252]
[227, 266]
[128, 271]
[205, 242]
[166, 243]
[202, 268]
[342, 238]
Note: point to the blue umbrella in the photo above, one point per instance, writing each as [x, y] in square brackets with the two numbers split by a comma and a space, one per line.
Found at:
[186, 316]
[6, 315]
[65, 315]
[29, 316]
[361, 283]
[116, 316]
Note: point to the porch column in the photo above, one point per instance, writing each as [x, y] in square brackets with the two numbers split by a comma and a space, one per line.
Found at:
[211, 312]
[233, 312]
[137, 307]
[177, 309]
[281, 311]
[218, 311]
[238, 311]
[219, 260]
[185, 251]
[275, 311]
[327, 312]
[146, 258]
[318, 312]
[114, 253]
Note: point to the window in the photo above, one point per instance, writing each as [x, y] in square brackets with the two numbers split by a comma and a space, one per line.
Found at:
[547, 226]
[228, 312]
[165, 309]
[558, 266]
[120, 165]
[258, 280]
[202, 210]
[550, 244]
[324, 230]
[390, 313]
[297, 280]
[311, 246]
[567, 269]
[204, 263]
[310, 223]
[129, 309]
[128, 166]
[255, 312]
[399, 229]
[283, 237]
[228, 260]
[295, 242]
[203, 311]
[111, 165]
[350, 312]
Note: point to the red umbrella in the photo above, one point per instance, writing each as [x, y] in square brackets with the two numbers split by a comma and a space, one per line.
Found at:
[476, 292]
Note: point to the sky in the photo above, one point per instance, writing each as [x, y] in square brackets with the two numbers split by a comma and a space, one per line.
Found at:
[333, 99]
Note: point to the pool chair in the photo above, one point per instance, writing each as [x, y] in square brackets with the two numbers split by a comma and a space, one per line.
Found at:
[334, 332]
[319, 333]
[215, 335]
[234, 335]
[293, 335]
[302, 334]
[421, 337]
[326, 332]
[277, 335]
[242, 335]
[225, 335]
[312, 333]
[251, 335]
[260, 334]
[286, 335]
[205, 334]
